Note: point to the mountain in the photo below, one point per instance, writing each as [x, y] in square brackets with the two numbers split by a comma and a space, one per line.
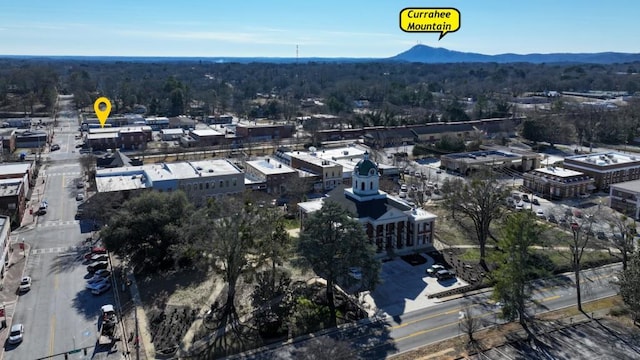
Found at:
[427, 54]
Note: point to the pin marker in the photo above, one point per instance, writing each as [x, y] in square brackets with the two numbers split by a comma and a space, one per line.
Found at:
[102, 114]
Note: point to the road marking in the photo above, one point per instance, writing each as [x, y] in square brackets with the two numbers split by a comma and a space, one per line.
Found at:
[438, 328]
[454, 311]
[551, 298]
[53, 334]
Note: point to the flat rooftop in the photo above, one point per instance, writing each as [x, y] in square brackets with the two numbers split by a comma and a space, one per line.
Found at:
[631, 186]
[16, 168]
[120, 183]
[172, 131]
[560, 172]
[206, 132]
[106, 135]
[203, 168]
[350, 152]
[484, 156]
[312, 159]
[270, 167]
[605, 159]
[10, 187]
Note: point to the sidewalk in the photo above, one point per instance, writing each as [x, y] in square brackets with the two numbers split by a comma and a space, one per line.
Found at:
[30, 219]
[8, 293]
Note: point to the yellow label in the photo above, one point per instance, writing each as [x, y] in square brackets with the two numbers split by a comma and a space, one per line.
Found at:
[430, 20]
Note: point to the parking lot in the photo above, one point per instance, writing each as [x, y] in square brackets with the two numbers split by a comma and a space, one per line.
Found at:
[406, 288]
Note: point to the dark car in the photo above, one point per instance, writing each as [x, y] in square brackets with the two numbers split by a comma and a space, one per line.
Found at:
[535, 201]
[601, 235]
[552, 219]
[55, 147]
[97, 266]
[445, 275]
[41, 212]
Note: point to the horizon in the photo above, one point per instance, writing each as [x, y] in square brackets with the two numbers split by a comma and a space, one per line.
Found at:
[330, 29]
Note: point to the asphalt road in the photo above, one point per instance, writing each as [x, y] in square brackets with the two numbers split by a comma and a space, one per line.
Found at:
[384, 337]
[59, 314]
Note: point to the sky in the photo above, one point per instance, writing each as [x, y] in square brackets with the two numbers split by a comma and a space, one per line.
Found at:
[320, 28]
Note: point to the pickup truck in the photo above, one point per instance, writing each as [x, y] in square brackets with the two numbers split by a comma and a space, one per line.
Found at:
[108, 325]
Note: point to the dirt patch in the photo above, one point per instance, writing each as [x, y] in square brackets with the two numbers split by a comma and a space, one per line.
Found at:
[168, 326]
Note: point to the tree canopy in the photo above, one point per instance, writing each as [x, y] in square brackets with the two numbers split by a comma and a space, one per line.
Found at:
[147, 229]
[331, 243]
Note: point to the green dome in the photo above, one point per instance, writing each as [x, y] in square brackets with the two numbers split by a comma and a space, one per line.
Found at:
[364, 166]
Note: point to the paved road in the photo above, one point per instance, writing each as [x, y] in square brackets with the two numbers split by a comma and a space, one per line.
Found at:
[380, 339]
[58, 313]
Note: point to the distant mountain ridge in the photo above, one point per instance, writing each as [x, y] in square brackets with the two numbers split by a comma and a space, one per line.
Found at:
[428, 54]
[418, 53]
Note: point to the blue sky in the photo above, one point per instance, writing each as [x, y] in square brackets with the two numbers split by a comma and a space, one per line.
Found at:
[329, 28]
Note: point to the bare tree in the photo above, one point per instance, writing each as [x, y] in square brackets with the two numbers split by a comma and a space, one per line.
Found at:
[581, 236]
[469, 323]
[624, 232]
[88, 165]
[480, 200]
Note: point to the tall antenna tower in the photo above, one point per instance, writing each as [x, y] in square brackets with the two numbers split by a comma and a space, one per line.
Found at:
[296, 53]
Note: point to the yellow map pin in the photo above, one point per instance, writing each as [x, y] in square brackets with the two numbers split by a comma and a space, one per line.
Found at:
[102, 114]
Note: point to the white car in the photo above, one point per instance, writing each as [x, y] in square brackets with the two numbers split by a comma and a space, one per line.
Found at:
[520, 206]
[80, 197]
[355, 272]
[25, 284]
[434, 269]
[540, 213]
[16, 334]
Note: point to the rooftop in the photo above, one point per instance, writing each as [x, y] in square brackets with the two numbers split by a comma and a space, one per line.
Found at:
[269, 166]
[16, 168]
[351, 152]
[120, 183]
[632, 186]
[206, 132]
[106, 135]
[172, 131]
[312, 159]
[10, 187]
[605, 159]
[560, 172]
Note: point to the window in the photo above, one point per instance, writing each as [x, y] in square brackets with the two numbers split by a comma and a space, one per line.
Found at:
[362, 186]
[207, 186]
[201, 186]
[213, 184]
[234, 182]
[226, 183]
[371, 185]
[221, 183]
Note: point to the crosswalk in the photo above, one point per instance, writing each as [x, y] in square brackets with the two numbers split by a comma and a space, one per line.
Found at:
[58, 250]
[68, 173]
[53, 223]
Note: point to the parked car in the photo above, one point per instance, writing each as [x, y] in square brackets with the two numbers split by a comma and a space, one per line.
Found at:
[99, 257]
[445, 275]
[101, 289]
[25, 284]
[80, 197]
[97, 266]
[520, 206]
[525, 198]
[96, 282]
[601, 235]
[434, 269]
[16, 334]
[98, 250]
[552, 219]
[55, 147]
[41, 212]
[80, 184]
[355, 272]
[102, 273]
[540, 213]
[535, 201]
